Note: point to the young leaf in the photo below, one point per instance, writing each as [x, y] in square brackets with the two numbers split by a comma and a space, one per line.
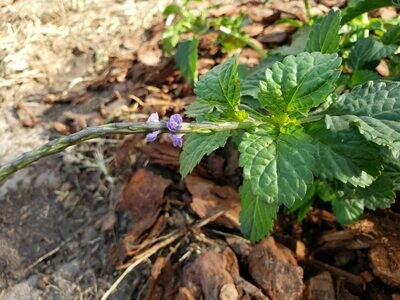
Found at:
[299, 83]
[344, 155]
[368, 50]
[278, 166]
[251, 84]
[220, 85]
[358, 7]
[374, 108]
[256, 216]
[186, 59]
[324, 36]
[197, 145]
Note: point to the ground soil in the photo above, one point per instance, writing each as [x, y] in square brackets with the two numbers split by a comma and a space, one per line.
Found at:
[72, 223]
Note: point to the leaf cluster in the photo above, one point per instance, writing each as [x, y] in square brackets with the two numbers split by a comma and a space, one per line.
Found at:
[182, 35]
[307, 139]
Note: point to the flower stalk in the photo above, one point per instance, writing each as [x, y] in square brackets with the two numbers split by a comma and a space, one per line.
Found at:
[60, 144]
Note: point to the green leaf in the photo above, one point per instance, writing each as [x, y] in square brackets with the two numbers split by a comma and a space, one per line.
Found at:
[377, 99]
[278, 166]
[173, 9]
[251, 84]
[392, 36]
[381, 132]
[256, 216]
[298, 45]
[362, 76]
[186, 59]
[380, 194]
[304, 205]
[367, 50]
[221, 84]
[344, 155]
[299, 83]
[348, 210]
[324, 36]
[200, 109]
[374, 108]
[358, 7]
[197, 145]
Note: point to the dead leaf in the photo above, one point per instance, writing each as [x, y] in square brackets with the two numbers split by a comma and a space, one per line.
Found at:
[166, 284]
[383, 68]
[386, 264]
[143, 197]
[276, 34]
[275, 269]
[149, 54]
[106, 222]
[161, 153]
[211, 275]
[24, 115]
[320, 287]
[262, 14]
[209, 198]
[61, 128]
[158, 266]
[253, 29]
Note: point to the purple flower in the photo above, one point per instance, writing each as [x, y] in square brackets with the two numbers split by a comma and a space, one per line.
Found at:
[153, 118]
[176, 139]
[151, 137]
[174, 123]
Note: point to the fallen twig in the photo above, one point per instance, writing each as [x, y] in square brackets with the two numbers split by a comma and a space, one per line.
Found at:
[153, 250]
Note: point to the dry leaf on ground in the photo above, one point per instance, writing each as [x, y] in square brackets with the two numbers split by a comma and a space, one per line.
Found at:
[208, 198]
[275, 269]
[143, 197]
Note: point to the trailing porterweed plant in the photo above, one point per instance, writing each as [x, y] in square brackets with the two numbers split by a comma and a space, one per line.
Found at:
[299, 136]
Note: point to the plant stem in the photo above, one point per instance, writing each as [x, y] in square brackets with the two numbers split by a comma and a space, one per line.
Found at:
[308, 9]
[58, 145]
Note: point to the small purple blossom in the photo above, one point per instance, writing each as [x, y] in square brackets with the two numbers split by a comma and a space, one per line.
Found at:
[153, 118]
[176, 139]
[174, 123]
[151, 137]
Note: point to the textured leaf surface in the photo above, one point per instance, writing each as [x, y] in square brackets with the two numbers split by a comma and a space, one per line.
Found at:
[344, 155]
[379, 194]
[358, 7]
[299, 83]
[186, 59]
[367, 50]
[324, 36]
[278, 167]
[374, 109]
[348, 210]
[380, 100]
[256, 216]
[197, 145]
[380, 132]
[220, 84]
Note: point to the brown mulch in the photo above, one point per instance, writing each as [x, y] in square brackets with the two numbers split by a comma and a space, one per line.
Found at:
[315, 259]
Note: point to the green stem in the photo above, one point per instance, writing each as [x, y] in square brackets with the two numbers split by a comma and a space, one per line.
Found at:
[253, 45]
[245, 39]
[308, 9]
[60, 144]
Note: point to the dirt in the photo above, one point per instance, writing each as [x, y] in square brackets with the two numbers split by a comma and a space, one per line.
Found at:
[75, 223]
